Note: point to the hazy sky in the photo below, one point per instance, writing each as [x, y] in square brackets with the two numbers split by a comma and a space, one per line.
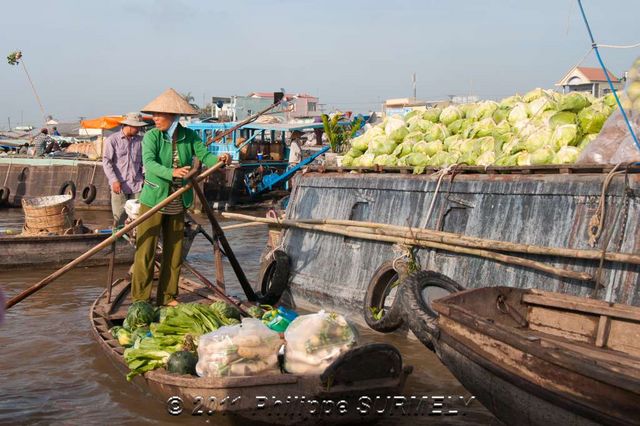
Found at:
[89, 58]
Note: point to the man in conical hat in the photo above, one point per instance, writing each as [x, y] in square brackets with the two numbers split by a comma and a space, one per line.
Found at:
[167, 153]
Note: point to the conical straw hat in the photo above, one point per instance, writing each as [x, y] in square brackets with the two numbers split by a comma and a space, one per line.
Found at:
[170, 102]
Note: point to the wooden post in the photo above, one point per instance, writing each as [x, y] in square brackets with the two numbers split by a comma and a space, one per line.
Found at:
[112, 261]
[222, 240]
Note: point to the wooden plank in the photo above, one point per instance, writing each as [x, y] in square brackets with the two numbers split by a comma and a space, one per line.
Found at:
[603, 331]
[625, 337]
[607, 358]
[569, 325]
[595, 307]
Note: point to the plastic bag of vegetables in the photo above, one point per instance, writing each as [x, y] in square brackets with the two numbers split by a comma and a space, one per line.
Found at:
[314, 341]
[246, 349]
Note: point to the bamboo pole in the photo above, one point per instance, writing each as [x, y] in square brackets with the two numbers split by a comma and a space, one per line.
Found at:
[112, 239]
[475, 242]
[358, 233]
[242, 225]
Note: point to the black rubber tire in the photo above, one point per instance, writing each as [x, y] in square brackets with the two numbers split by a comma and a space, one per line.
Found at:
[4, 194]
[417, 311]
[89, 193]
[70, 186]
[377, 291]
[274, 278]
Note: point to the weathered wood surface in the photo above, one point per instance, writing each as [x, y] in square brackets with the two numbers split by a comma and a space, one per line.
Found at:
[28, 178]
[557, 357]
[55, 251]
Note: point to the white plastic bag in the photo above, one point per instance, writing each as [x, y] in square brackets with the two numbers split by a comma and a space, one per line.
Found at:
[246, 349]
[132, 208]
[314, 341]
[614, 143]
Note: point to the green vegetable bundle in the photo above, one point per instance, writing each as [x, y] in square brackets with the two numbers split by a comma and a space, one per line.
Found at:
[152, 343]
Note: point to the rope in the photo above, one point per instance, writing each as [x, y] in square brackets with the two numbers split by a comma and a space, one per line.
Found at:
[271, 214]
[441, 174]
[597, 220]
[402, 251]
[93, 174]
[594, 45]
[6, 178]
[270, 255]
[624, 206]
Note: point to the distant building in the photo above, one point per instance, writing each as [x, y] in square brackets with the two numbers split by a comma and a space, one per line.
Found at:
[221, 108]
[586, 79]
[301, 105]
[402, 106]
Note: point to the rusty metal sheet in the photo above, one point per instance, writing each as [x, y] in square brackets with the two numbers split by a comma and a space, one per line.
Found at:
[546, 209]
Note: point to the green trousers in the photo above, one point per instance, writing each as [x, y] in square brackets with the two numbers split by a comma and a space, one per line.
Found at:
[171, 227]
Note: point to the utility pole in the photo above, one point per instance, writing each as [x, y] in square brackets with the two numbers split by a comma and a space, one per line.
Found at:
[9, 120]
[415, 91]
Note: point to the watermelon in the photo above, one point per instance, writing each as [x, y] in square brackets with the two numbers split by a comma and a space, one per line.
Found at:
[182, 362]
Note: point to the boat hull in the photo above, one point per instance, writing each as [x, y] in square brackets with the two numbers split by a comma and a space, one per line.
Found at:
[507, 401]
[285, 399]
[56, 251]
[539, 358]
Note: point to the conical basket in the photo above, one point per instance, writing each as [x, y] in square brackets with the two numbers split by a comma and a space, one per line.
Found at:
[48, 215]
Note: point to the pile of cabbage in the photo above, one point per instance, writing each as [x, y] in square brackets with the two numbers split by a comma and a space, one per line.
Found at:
[541, 127]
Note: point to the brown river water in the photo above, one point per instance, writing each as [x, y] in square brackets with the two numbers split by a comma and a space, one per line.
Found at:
[53, 372]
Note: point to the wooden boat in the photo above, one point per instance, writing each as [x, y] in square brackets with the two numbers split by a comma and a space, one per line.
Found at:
[539, 358]
[374, 370]
[54, 251]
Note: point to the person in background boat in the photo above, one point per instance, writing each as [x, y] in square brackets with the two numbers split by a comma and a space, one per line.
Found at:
[56, 132]
[167, 155]
[295, 153]
[42, 142]
[122, 164]
[53, 146]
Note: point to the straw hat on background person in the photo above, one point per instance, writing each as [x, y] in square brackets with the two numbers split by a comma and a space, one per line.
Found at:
[170, 102]
[133, 119]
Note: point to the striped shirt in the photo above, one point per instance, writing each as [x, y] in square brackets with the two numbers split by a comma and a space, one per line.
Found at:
[175, 206]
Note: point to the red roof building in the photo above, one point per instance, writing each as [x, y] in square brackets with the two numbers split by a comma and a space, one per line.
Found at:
[587, 79]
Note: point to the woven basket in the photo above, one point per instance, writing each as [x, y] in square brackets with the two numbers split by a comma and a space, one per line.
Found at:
[48, 215]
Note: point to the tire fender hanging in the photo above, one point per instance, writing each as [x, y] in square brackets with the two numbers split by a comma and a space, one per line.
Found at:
[274, 278]
[4, 194]
[378, 290]
[68, 187]
[419, 290]
[89, 193]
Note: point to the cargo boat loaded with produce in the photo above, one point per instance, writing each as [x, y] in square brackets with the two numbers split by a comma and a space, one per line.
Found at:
[547, 224]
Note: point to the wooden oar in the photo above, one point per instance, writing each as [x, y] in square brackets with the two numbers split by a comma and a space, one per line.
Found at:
[277, 99]
[66, 268]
